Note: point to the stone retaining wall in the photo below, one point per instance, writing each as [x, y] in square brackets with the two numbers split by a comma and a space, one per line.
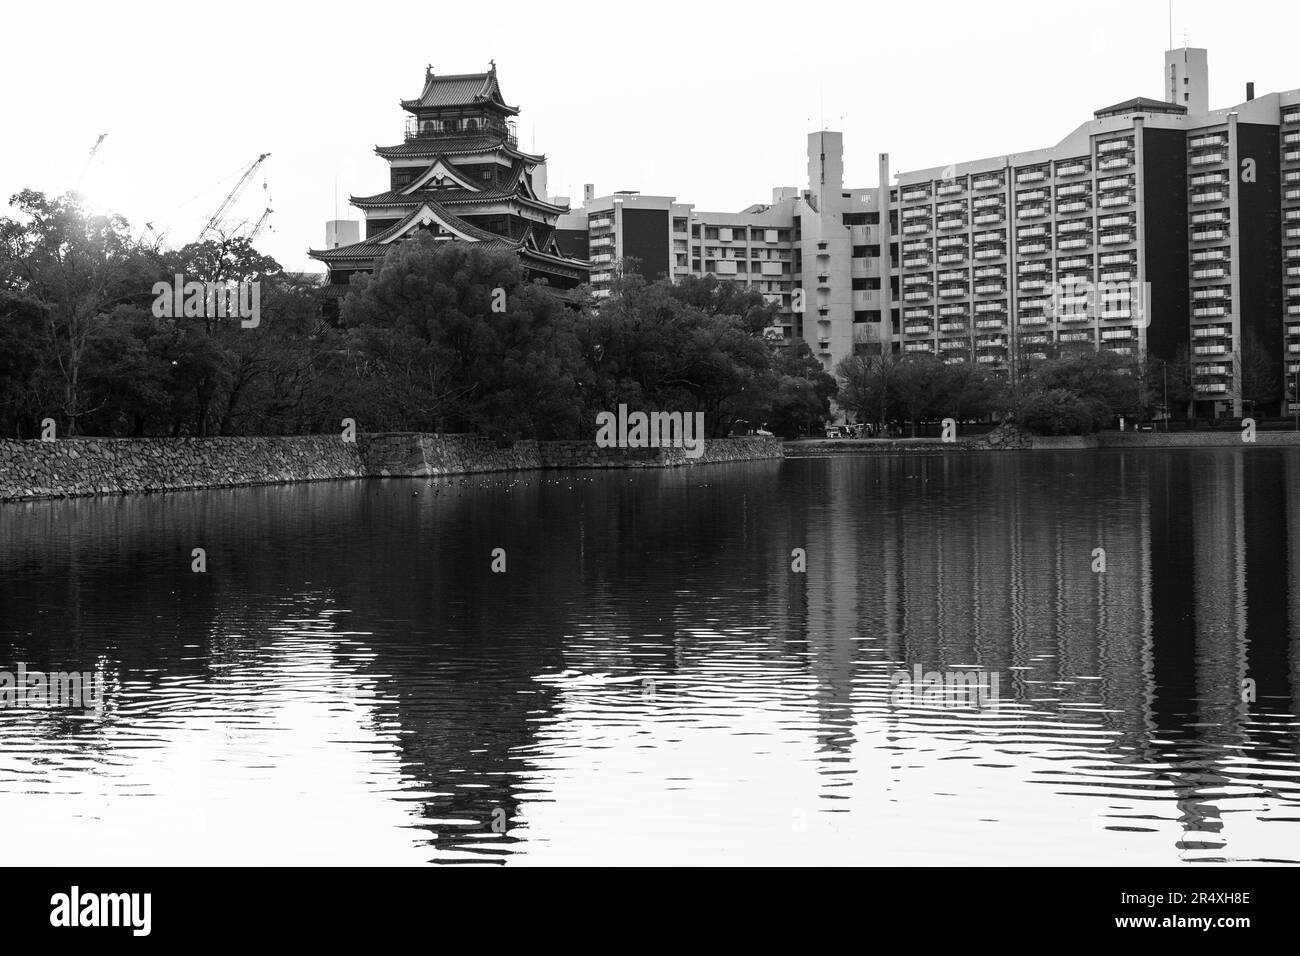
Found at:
[94, 466]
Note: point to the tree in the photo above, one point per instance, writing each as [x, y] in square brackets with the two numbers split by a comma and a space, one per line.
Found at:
[80, 267]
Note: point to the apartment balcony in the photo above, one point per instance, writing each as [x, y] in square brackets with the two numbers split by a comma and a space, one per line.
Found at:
[1293, 309]
[1114, 335]
[1115, 162]
[1206, 159]
[988, 218]
[1291, 177]
[1210, 235]
[1293, 194]
[952, 327]
[1210, 370]
[1076, 263]
[954, 293]
[1293, 272]
[1210, 350]
[1032, 232]
[1114, 145]
[1072, 169]
[1209, 255]
[949, 258]
[1291, 139]
[917, 314]
[988, 359]
[1035, 340]
[948, 242]
[1292, 253]
[945, 208]
[602, 258]
[918, 329]
[990, 253]
[1115, 182]
[991, 342]
[917, 347]
[916, 228]
[989, 307]
[1291, 117]
[1292, 155]
[1114, 314]
[953, 275]
[915, 195]
[1033, 176]
[917, 262]
[1116, 238]
[988, 182]
[1072, 244]
[1211, 388]
[951, 345]
[1203, 218]
[1209, 311]
[951, 310]
[1209, 293]
[990, 288]
[996, 272]
[1033, 248]
[1217, 272]
[1077, 189]
[952, 223]
[1215, 196]
[1211, 332]
[1115, 259]
[1110, 202]
[1211, 139]
[1110, 222]
[599, 225]
[1210, 179]
[951, 189]
[916, 247]
[1031, 195]
[1033, 320]
[1032, 285]
[915, 296]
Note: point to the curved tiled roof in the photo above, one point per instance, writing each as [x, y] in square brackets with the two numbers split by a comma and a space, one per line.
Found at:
[376, 245]
[466, 147]
[461, 89]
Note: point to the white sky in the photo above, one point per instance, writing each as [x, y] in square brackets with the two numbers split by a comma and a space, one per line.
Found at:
[707, 101]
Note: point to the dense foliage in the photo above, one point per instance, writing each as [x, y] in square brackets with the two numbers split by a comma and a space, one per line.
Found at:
[443, 337]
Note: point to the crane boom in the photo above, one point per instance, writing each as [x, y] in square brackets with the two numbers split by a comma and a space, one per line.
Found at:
[231, 196]
[261, 224]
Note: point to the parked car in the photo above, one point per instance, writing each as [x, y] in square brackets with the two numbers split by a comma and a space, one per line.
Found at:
[834, 431]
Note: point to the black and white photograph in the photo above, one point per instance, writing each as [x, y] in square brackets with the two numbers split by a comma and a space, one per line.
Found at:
[684, 435]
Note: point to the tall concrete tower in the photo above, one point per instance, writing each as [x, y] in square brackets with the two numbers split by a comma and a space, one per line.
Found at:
[1187, 79]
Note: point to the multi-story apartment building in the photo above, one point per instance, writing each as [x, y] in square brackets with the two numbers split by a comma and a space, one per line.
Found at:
[1156, 227]
[815, 253]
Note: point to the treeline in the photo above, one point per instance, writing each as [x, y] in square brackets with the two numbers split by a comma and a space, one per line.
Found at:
[444, 337]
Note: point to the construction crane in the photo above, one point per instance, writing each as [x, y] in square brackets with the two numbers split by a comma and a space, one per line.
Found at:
[229, 201]
[90, 159]
[261, 224]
